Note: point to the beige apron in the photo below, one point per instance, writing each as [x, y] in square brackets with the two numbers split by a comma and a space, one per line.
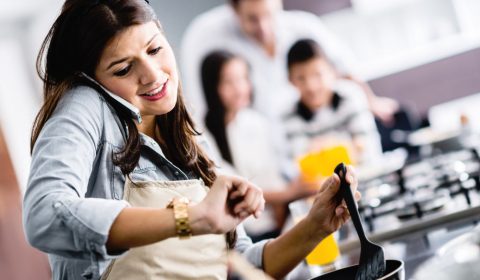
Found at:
[199, 257]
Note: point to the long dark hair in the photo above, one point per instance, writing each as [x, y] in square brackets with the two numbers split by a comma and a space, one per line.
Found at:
[211, 70]
[75, 43]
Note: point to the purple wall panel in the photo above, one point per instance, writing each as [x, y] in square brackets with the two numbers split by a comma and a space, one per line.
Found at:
[318, 7]
[433, 83]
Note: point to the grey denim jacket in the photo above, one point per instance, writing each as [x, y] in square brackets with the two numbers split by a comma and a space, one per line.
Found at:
[75, 192]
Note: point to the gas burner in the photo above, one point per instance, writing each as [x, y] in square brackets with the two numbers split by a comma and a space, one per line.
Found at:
[421, 207]
[422, 187]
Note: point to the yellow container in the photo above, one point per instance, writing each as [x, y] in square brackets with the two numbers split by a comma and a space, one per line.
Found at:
[326, 252]
[318, 165]
[314, 167]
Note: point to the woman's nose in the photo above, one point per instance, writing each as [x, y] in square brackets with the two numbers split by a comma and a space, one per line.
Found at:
[150, 73]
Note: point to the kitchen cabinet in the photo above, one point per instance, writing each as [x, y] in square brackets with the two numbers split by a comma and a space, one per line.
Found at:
[387, 37]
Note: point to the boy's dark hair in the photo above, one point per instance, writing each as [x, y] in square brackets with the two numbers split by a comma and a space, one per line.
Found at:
[304, 50]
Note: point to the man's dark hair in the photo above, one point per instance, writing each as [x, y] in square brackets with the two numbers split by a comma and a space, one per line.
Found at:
[234, 2]
[304, 50]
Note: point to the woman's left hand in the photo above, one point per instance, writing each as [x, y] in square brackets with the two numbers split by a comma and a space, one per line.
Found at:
[326, 214]
[230, 200]
[249, 200]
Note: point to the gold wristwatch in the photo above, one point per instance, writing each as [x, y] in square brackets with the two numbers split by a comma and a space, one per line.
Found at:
[180, 212]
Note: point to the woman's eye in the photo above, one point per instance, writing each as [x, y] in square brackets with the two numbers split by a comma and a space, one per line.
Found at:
[122, 72]
[154, 51]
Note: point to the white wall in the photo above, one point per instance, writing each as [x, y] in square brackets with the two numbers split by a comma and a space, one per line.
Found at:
[23, 24]
[176, 15]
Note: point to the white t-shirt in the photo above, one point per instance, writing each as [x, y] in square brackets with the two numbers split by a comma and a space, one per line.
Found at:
[218, 29]
[250, 139]
[350, 118]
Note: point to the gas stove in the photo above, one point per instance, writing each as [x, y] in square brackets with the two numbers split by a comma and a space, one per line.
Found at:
[435, 192]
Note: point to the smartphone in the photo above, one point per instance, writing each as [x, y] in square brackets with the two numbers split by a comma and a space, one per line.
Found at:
[134, 110]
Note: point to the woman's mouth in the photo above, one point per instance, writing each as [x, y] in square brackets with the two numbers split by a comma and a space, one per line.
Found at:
[156, 94]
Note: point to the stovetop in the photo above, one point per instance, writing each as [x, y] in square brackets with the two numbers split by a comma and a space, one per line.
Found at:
[435, 192]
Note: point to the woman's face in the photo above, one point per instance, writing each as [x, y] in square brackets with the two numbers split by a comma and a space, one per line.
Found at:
[314, 80]
[139, 66]
[234, 87]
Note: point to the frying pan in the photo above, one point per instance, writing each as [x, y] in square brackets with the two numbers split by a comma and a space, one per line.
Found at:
[394, 271]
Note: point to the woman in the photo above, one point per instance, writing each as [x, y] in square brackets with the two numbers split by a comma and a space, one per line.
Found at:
[116, 165]
[245, 139]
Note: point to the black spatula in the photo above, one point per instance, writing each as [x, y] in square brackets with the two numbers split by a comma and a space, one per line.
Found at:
[372, 261]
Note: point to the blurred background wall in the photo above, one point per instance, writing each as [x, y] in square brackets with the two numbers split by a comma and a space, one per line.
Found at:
[420, 52]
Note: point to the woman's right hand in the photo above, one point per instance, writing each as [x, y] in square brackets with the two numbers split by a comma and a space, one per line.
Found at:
[229, 201]
[327, 214]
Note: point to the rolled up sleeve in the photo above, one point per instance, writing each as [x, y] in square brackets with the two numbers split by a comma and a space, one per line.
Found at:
[253, 252]
[57, 216]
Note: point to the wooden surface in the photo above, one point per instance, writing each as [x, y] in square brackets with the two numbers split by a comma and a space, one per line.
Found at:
[18, 260]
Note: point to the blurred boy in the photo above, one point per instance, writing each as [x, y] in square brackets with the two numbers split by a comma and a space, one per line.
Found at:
[331, 111]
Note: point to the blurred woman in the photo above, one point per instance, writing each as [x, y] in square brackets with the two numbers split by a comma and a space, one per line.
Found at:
[244, 139]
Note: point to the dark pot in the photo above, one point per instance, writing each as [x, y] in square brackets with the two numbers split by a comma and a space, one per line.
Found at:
[395, 271]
